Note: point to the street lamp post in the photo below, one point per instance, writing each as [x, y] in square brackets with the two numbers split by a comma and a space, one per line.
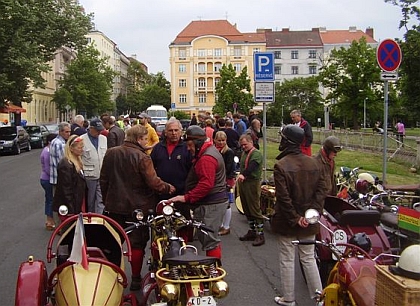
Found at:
[364, 113]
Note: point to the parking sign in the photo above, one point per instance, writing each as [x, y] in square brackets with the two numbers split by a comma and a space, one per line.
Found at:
[264, 66]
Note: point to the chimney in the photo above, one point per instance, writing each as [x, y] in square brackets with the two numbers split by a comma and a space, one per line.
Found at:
[322, 29]
[352, 29]
[369, 31]
[285, 30]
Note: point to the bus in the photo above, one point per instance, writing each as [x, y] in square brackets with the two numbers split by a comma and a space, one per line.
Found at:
[158, 113]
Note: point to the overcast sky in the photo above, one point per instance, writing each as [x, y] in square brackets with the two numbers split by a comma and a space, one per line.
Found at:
[146, 28]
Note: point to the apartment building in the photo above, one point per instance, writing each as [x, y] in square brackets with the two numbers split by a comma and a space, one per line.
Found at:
[198, 53]
[201, 48]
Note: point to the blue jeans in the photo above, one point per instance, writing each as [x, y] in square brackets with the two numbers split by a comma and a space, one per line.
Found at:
[48, 188]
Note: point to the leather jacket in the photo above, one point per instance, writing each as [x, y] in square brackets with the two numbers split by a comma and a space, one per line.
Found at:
[128, 180]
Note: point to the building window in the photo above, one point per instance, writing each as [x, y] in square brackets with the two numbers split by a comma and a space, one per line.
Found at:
[201, 53]
[312, 69]
[295, 70]
[182, 98]
[182, 83]
[201, 68]
[237, 51]
[255, 50]
[312, 53]
[217, 67]
[182, 68]
[237, 67]
[277, 69]
[295, 54]
[218, 52]
[277, 54]
[182, 54]
[201, 82]
[202, 98]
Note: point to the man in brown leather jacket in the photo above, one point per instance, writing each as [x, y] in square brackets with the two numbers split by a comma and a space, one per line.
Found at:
[300, 185]
[129, 181]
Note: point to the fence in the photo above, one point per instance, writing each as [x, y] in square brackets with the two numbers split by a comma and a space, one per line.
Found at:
[407, 152]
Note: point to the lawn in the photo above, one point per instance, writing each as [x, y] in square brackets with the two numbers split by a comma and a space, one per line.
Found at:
[397, 173]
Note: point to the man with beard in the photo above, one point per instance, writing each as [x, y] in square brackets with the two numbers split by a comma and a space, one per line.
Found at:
[300, 185]
[205, 188]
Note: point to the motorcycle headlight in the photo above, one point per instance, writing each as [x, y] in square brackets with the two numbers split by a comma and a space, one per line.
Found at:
[63, 210]
[138, 214]
[169, 292]
[220, 289]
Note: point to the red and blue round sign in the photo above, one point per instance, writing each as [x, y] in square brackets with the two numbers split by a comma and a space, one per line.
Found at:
[389, 55]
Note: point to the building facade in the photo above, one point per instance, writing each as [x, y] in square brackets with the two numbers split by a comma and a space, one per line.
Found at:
[200, 50]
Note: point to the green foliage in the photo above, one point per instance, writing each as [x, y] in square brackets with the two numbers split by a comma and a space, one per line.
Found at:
[409, 83]
[179, 115]
[154, 94]
[298, 93]
[352, 76]
[88, 79]
[30, 33]
[233, 88]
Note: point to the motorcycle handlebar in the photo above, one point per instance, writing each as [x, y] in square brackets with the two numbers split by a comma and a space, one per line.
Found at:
[305, 242]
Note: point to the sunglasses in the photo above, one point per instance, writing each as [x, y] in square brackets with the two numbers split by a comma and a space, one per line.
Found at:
[337, 149]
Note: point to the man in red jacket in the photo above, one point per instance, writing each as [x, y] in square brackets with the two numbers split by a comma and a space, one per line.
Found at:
[205, 188]
[297, 119]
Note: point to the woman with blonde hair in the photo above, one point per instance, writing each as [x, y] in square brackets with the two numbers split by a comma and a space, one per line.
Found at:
[228, 155]
[71, 185]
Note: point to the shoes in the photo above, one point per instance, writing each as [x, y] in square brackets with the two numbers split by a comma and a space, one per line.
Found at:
[135, 283]
[250, 236]
[280, 301]
[49, 226]
[224, 231]
[259, 240]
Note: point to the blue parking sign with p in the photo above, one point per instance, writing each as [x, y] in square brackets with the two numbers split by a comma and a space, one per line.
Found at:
[264, 66]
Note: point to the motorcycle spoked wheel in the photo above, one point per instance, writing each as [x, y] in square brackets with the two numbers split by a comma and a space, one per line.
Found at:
[150, 290]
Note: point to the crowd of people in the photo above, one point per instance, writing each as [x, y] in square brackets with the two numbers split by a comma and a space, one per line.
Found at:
[113, 167]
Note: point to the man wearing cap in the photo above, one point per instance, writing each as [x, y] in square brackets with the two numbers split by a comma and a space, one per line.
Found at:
[153, 137]
[95, 146]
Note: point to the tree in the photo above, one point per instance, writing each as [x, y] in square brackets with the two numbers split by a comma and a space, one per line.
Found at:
[233, 89]
[88, 79]
[297, 93]
[409, 83]
[351, 75]
[157, 92]
[30, 33]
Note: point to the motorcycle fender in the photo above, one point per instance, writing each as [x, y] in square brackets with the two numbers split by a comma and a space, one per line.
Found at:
[330, 294]
[31, 286]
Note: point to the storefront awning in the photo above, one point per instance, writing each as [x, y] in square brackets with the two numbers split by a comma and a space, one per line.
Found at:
[12, 109]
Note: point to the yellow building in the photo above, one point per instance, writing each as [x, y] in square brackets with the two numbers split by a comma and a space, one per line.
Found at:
[199, 52]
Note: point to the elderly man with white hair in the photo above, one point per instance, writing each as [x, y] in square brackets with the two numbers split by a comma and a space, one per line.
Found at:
[77, 126]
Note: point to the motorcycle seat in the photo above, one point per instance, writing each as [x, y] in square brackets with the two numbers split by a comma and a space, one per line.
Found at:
[191, 259]
[389, 219]
[359, 217]
[407, 188]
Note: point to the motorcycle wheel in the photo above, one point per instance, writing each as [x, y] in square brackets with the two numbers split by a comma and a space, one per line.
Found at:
[150, 291]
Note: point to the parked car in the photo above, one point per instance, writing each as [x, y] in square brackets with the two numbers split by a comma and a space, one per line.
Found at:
[53, 128]
[13, 139]
[159, 130]
[38, 134]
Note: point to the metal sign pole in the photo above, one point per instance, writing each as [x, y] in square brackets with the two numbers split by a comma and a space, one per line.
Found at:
[265, 142]
[385, 125]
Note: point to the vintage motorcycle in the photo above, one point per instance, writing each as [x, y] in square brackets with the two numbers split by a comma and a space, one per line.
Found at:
[99, 278]
[178, 275]
[339, 221]
[352, 281]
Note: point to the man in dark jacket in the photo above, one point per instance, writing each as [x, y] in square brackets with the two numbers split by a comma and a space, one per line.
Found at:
[172, 162]
[205, 188]
[129, 181]
[115, 135]
[300, 185]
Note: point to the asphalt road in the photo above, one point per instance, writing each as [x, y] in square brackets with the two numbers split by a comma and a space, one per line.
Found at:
[253, 272]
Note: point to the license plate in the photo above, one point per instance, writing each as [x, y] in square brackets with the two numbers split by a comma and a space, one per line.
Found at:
[201, 301]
